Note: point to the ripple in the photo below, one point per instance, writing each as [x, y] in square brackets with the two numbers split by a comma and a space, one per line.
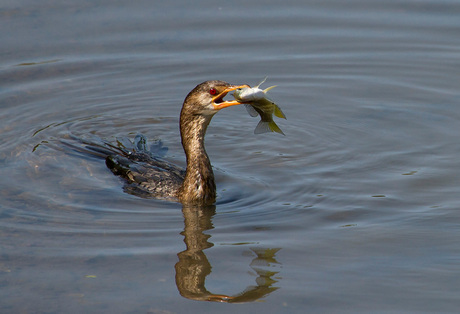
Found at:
[259, 178]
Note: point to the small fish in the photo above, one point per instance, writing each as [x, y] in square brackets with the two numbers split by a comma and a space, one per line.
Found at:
[257, 103]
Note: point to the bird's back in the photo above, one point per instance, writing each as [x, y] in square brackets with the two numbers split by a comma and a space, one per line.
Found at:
[147, 176]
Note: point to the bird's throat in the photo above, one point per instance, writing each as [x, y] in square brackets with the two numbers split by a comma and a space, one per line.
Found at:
[199, 185]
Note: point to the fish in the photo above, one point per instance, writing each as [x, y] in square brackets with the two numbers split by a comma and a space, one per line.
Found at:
[257, 103]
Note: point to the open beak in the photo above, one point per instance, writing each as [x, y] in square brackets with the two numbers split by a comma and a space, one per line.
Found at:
[218, 100]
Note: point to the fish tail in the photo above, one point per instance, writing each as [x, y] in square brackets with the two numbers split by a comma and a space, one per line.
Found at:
[279, 113]
[262, 127]
[265, 126]
[275, 128]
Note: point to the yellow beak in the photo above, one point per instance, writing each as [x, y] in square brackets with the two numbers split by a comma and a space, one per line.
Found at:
[217, 100]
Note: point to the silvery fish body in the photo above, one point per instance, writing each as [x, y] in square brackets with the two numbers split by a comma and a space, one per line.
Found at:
[257, 103]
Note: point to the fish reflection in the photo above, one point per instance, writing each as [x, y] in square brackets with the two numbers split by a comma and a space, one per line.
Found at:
[193, 265]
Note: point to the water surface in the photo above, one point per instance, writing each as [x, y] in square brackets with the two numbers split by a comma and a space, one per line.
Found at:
[355, 210]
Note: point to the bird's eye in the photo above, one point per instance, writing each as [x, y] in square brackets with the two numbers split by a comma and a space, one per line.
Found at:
[213, 91]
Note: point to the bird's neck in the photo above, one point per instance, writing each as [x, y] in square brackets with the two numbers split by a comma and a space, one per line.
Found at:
[199, 185]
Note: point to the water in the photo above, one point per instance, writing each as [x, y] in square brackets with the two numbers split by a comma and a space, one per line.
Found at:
[356, 210]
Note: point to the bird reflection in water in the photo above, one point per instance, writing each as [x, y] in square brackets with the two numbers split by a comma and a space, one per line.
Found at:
[193, 265]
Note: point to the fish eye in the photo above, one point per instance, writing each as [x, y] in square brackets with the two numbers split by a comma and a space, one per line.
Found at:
[213, 91]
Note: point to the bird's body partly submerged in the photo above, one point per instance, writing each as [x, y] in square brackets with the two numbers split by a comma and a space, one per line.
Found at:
[161, 179]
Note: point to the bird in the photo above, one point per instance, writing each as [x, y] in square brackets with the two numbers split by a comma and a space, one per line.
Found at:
[155, 177]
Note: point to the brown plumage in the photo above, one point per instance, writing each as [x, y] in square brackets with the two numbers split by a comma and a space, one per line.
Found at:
[160, 179]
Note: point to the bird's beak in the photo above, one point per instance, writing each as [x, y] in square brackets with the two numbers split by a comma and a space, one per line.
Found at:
[218, 100]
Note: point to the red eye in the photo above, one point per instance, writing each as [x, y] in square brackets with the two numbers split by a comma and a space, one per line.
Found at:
[213, 91]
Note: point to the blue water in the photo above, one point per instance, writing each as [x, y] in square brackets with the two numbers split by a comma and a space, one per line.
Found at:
[355, 210]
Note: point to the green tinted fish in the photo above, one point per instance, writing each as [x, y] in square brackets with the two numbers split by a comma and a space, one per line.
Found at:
[257, 103]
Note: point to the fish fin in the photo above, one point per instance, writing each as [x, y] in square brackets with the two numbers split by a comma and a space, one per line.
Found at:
[275, 128]
[268, 88]
[264, 127]
[279, 113]
[250, 109]
[263, 81]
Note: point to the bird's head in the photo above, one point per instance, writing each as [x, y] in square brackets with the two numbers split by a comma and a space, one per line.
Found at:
[207, 98]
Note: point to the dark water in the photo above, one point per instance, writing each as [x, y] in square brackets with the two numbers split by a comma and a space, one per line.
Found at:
[356, 210]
